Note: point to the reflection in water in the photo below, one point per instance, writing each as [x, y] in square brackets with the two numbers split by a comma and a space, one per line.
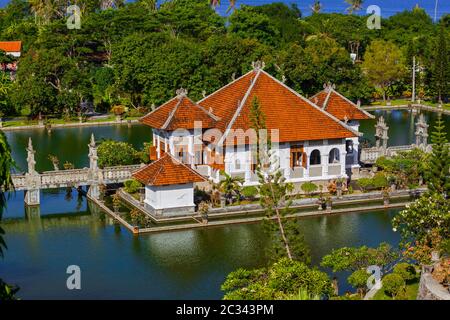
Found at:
[401, 125]
[186, 264]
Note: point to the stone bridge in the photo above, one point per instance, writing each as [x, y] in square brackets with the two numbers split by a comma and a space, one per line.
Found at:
[370, 155]
[32, 181]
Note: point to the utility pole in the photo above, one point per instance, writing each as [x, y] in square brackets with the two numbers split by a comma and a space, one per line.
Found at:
[413, 95]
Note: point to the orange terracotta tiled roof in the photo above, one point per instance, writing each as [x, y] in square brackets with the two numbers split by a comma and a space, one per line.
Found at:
[167, 171]
[10, 46]
[296, 117]
[339, 106]
[179, 113]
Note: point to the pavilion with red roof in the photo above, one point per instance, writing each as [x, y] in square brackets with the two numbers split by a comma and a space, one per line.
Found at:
[311, 137]
[169, 186]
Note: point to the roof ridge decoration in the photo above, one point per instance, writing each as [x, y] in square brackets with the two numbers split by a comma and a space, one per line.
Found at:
[314, 105]
[181, 93]
[258, 65]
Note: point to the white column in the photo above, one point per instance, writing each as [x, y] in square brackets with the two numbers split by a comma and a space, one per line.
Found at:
[306, 174]
[342, 161]
[158, 148]
[324, 163]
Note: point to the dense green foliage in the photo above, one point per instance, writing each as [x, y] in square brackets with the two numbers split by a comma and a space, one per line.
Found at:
[132, 186]
[393, 284]
[352, 259]
[439, 176]
[116, 153]
[405, 169]
[137, 54]
[281, 280]
[7, 292]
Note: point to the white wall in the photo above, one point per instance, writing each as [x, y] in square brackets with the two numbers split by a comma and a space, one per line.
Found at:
[172, 196]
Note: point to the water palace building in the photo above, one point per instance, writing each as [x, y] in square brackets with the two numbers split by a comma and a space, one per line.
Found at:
[315, 139]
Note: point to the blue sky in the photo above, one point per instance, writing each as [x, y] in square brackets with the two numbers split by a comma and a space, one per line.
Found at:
[388, 7]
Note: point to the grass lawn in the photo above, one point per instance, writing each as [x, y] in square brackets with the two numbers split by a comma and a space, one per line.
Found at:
[398, 102]
[17, 123]
[410, 293]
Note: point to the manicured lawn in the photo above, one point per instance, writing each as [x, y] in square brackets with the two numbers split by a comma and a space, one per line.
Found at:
[17, 123]
[398, 102]
[410, 293]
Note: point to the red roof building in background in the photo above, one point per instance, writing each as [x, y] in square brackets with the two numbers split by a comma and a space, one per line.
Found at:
[336, 104]
[13, 48]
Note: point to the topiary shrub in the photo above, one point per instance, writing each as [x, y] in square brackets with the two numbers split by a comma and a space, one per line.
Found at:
[132, 186]
[406, 271]
[364, 183]
[309, 187]
[249, 191]
[379, 181]
[358, 280]
[393, 284]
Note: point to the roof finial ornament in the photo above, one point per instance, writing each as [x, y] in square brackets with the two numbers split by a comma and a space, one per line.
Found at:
[181, 93]
[328, 86]
[283, 78]
[153, 107]
[233, 76]
[258, 65]
[204, 93]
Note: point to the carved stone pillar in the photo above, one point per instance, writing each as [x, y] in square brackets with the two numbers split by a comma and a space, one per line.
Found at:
[381, 135]
[32, 179]
[421, 133]
[93, 172]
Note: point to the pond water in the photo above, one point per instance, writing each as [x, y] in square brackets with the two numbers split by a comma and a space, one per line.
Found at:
[70, 144]
[177, 265]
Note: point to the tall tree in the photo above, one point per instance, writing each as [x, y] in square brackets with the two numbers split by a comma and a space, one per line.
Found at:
[286, 238]
[441, 66]
[7, 292]
[383, 64]
[439, 177]
[316, 7]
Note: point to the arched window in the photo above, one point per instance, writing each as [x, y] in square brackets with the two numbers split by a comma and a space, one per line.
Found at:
[333, 156]
[314, 158]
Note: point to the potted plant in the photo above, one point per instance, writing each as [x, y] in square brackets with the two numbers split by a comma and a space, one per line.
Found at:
[203, 209]
[329, 202]
[385, 194]
[116, 202]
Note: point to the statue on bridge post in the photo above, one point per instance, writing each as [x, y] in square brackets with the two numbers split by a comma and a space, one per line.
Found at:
[381, 135]
[421, 133]
[94, 176]
[32, 178]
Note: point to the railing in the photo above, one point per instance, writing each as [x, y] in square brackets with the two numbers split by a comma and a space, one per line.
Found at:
[63, 178]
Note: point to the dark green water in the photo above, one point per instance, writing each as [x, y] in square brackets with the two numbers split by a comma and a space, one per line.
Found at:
[177, 265]
[401, 125]
[70, 144]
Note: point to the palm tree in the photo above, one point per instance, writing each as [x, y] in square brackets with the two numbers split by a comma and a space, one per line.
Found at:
[232, 5]
[214, 3]
[316, 7]
[151, 5]
[6, 164]
[7, 292]
[355, 5]
[231, 186]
